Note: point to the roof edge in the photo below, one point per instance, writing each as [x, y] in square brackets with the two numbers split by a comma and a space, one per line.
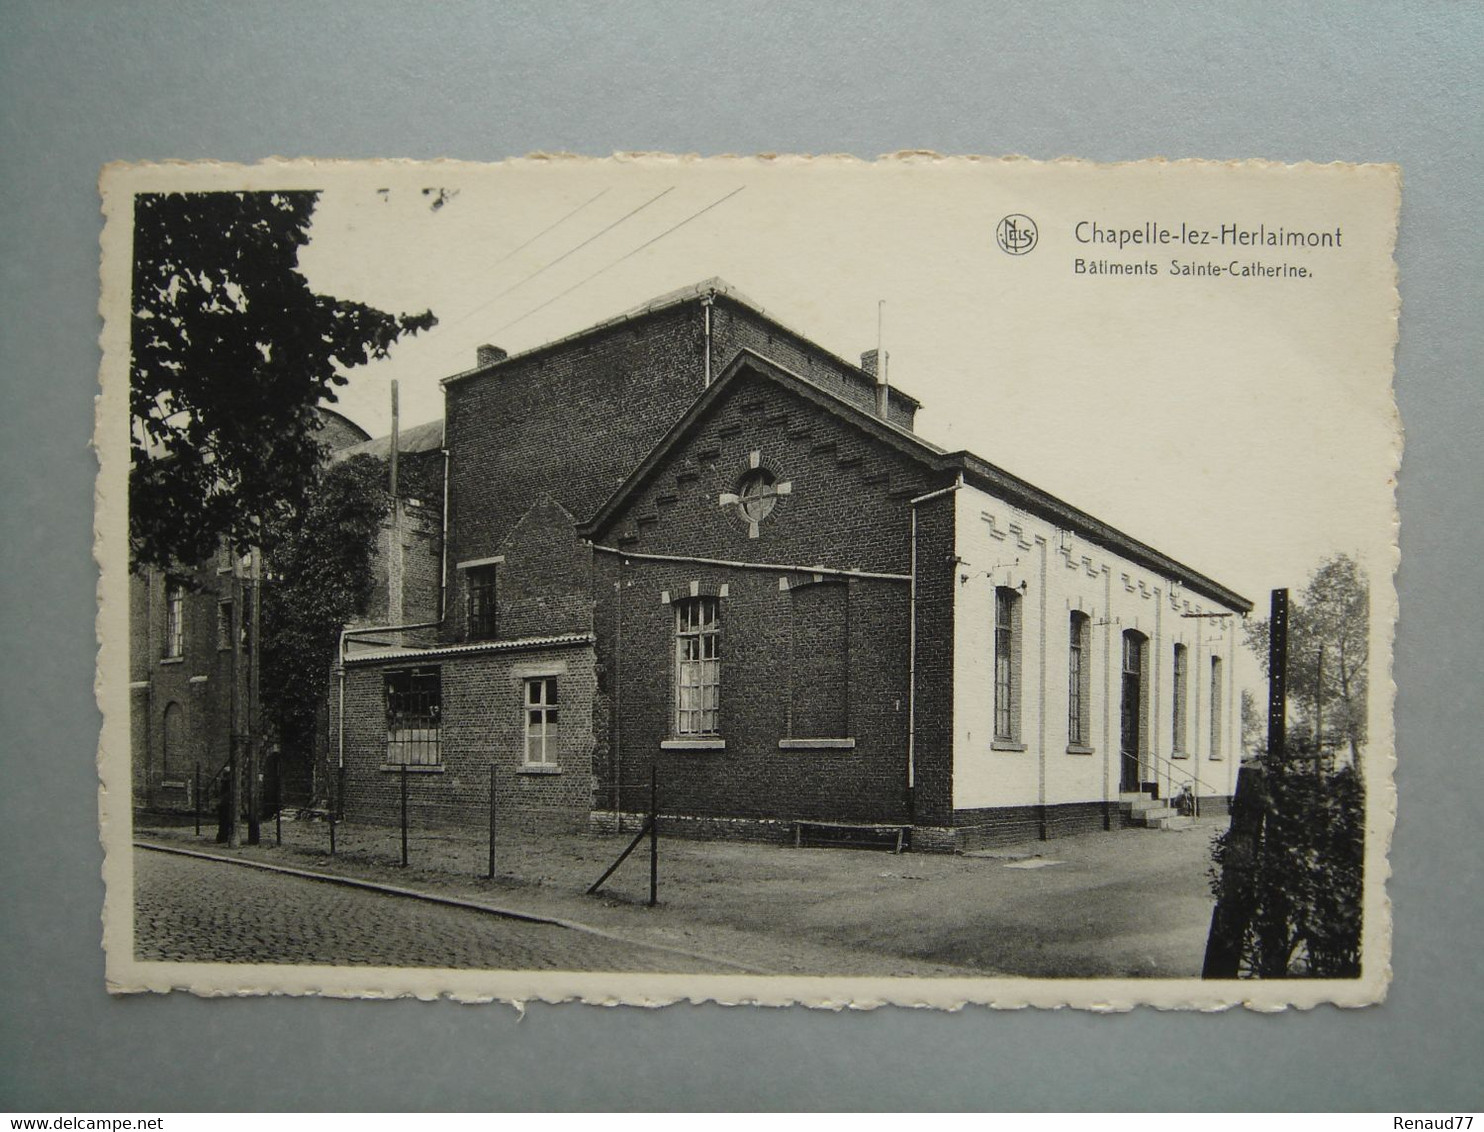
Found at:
[989, 477]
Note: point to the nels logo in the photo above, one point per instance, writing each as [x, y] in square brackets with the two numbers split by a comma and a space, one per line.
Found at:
[1016, 234]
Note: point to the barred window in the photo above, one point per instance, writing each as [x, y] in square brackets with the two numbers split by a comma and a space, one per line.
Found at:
[1215, 707]
[697, 666]
[541, 721]
[481, 582]
[414, 709]
[174, 619]
[1006, 664]
[1182, 688]
[1078, 682]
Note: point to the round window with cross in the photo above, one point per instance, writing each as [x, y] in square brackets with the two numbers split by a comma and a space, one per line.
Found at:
[758, 492]
[757, 495]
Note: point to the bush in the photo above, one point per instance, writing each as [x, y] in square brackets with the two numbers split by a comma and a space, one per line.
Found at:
[1298, 875]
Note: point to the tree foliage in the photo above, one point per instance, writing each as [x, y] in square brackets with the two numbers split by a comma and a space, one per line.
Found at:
[322, 566]
[1299, 873]
[1328, 649]
[231, 352]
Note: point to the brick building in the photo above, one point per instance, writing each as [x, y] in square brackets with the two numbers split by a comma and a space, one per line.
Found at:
[189, 659]
[689, 539]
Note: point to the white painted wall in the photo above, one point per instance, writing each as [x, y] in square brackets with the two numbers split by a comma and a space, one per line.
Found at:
[1001, 546]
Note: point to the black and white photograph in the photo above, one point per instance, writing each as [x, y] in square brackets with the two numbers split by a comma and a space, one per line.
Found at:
[928, 580]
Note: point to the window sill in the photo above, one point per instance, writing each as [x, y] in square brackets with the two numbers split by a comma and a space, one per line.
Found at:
[412, 768]
[1006, 745]
[1179, 754]
[697, 743]
[537, 769]
[172, 660]
[1078, 749]
[816, 744]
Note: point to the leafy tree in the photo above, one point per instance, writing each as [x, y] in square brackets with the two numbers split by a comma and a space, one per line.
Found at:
[1328, 647]
[231, 352]
[322, 566]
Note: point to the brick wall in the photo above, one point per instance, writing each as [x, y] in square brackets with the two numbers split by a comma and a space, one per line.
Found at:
[847, 507]
[570, 422]
[482, 723]
[527, 428]
[198, 683]
[735, 327]
[936, 590]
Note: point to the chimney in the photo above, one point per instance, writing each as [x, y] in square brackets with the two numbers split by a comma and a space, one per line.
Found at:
[868, 361]
[488, 355]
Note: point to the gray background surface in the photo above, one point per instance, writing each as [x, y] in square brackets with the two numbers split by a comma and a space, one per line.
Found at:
[85, 83]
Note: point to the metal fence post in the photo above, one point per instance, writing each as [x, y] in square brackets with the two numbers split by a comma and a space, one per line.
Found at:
[196, 796]
[278, 802]
[404, 815]
[336, 785]
[492, 822]
[654, 844]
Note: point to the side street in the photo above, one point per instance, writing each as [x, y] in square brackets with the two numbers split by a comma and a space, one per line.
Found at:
[1133, 903]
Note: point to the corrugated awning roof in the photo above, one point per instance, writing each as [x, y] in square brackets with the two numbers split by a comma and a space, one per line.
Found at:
[440, 651]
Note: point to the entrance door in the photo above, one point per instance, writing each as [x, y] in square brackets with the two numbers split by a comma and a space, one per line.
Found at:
[1133, 710]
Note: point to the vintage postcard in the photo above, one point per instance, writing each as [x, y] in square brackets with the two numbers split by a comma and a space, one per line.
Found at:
[928, 581]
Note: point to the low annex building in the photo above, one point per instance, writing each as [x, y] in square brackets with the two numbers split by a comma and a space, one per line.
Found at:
[692, 541]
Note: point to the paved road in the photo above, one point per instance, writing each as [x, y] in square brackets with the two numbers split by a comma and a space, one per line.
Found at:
[195, 910]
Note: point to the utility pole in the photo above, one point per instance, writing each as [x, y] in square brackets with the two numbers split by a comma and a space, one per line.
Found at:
[1278, 676]
[234, 704]
[254, 736]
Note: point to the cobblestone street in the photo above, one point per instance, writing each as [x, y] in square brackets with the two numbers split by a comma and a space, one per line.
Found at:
[187, 909]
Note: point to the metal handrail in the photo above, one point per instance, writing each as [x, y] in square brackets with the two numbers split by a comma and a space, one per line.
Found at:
[1192, 779]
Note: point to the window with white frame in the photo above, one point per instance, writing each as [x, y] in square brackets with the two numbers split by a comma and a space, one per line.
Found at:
[1180, 698]
[1006, 665]
[698, 666]
[1216, 704]
[541, 721]
[174, 619]
[1079, 720]
[414, 716]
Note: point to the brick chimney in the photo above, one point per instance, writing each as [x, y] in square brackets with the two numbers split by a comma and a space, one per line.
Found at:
[488, 355]
[871, 363]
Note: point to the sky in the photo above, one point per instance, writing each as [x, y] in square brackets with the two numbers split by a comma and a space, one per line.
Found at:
[1243, 425]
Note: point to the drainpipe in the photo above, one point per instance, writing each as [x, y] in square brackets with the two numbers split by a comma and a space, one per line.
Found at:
[443, 540]
[706, 301]
[912, 635]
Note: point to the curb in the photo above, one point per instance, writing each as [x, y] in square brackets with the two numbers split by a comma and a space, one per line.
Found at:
[451, 902]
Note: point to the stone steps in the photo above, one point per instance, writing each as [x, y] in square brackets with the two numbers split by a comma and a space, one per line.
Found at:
[1151, 813]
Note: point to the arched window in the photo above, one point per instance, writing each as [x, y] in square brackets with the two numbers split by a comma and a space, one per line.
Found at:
[1006, 665]
[1216, 704]
[698, 666]
[1133, 739]
[1079, 683]
[1181, 699]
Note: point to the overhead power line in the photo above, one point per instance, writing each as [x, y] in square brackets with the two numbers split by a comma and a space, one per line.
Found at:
[627, 255]
[572, 251]
[472, 311]
[554, 224]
